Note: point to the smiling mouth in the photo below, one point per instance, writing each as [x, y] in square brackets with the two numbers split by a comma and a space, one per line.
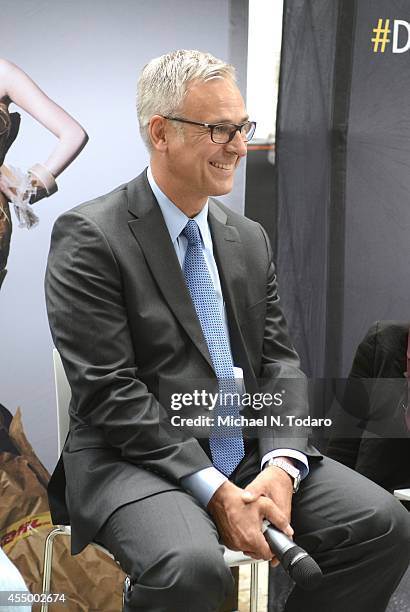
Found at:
[222, 166]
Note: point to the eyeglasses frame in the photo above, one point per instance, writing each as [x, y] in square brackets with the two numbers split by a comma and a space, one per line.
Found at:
[211, 126]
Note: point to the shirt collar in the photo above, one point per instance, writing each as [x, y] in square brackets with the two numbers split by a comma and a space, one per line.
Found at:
[174, 218]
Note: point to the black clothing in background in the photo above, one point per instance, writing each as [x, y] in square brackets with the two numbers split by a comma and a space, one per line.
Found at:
[381, 355]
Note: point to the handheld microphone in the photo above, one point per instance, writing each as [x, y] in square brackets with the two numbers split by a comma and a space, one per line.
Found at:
[295, 561]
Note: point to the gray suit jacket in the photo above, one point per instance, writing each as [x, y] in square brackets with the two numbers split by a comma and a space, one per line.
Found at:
[124, 323]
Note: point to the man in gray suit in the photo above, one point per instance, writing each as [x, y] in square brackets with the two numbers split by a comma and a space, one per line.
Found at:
[157, 286]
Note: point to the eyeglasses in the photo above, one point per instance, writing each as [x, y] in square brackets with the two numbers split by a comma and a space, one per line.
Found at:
[222, 133]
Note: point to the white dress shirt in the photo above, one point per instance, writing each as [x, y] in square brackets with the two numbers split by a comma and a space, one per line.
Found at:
[203, 484]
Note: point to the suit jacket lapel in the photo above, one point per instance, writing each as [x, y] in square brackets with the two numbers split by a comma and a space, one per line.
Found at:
[149, 229]
[229, 258]
[228, 253]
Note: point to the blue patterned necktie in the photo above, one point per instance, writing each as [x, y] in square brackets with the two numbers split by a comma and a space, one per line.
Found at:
[226, 443]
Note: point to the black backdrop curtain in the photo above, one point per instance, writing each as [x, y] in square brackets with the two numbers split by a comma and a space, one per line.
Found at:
[343, 180]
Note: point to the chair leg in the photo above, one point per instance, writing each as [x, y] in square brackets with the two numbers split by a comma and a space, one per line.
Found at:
[126, 588]
[47, 565]
[253, 607]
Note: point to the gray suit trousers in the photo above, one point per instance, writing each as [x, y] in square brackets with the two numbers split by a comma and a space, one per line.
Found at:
[357, 532]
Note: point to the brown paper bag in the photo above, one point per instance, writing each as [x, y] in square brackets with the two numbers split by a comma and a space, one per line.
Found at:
[91, 581]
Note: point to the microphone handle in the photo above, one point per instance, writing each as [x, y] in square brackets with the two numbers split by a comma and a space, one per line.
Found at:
[279, 542]
[296, 562]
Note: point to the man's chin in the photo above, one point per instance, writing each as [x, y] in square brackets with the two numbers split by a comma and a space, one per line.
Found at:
[223, 188]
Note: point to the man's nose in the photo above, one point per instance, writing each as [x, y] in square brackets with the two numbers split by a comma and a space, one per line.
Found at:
[237, 145]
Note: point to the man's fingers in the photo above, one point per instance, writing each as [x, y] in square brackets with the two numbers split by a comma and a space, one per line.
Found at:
[277, 518]
[251, 554]
[257, 547]
[264, 548]
[249, 496]
[274, 562]
[254, 490]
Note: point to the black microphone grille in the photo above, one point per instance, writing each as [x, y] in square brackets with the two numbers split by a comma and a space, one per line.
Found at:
[302, 568]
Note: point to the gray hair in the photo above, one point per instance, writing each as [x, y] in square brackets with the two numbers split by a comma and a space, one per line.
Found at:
[164, 80]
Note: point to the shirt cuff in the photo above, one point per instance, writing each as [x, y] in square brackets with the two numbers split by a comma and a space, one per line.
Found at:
[300, 458]
[203, 484]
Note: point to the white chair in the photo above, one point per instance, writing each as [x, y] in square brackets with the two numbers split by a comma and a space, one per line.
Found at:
[63, 396]
[402, 494]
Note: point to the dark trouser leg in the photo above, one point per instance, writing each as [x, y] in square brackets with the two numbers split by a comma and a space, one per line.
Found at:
[357, 532]
[169, 547]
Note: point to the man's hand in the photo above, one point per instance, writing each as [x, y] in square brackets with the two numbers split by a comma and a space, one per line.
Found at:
[238, 515]
[275, 484]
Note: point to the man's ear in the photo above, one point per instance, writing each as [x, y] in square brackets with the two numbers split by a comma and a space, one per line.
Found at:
[158, 133]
